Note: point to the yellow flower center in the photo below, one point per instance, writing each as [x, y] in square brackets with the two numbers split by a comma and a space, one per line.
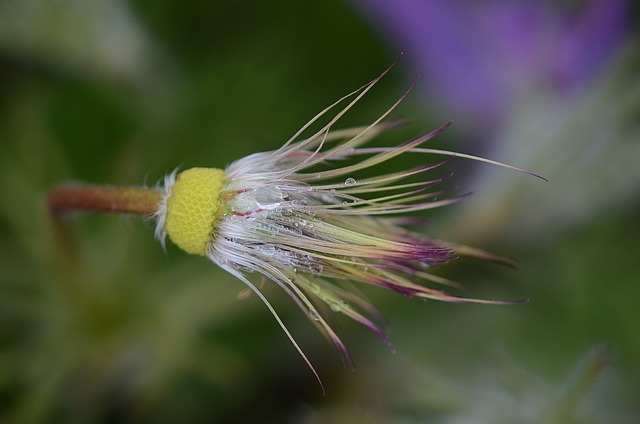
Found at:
[192, 208]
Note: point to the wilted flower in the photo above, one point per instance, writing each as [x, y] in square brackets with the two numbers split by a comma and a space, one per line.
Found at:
[292, 216]
[309, 226]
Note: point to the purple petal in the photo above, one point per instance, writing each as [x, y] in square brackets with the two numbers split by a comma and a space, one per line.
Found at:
[590, 41]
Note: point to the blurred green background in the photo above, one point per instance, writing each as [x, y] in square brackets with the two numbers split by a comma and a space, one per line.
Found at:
[98, 324]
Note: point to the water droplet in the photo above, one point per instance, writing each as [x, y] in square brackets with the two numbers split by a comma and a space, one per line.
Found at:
[318, 176]
[269, 249]
[350, 181]
[314, 288]
[268, 198]
[314, 314]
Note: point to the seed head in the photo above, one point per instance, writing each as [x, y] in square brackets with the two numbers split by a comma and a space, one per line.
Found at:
[309, 226]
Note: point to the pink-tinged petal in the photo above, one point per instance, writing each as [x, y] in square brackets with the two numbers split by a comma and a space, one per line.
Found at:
[482, 255]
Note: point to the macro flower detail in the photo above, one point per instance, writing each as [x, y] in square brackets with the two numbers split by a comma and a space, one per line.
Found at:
[190, 212]
[295, 218]
[298, 217]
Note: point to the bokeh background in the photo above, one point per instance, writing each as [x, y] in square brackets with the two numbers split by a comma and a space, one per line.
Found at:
[99, 324]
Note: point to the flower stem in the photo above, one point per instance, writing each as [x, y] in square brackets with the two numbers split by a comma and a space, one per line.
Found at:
[137, 201]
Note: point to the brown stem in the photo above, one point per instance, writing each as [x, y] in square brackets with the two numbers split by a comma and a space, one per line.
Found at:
[139, 201]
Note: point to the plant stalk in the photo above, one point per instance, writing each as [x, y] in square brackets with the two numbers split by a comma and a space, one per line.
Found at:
[137, 201]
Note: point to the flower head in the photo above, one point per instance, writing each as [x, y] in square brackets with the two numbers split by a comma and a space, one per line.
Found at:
[310, 227]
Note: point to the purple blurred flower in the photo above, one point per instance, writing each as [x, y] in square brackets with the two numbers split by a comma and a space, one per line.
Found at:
[479, 57]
